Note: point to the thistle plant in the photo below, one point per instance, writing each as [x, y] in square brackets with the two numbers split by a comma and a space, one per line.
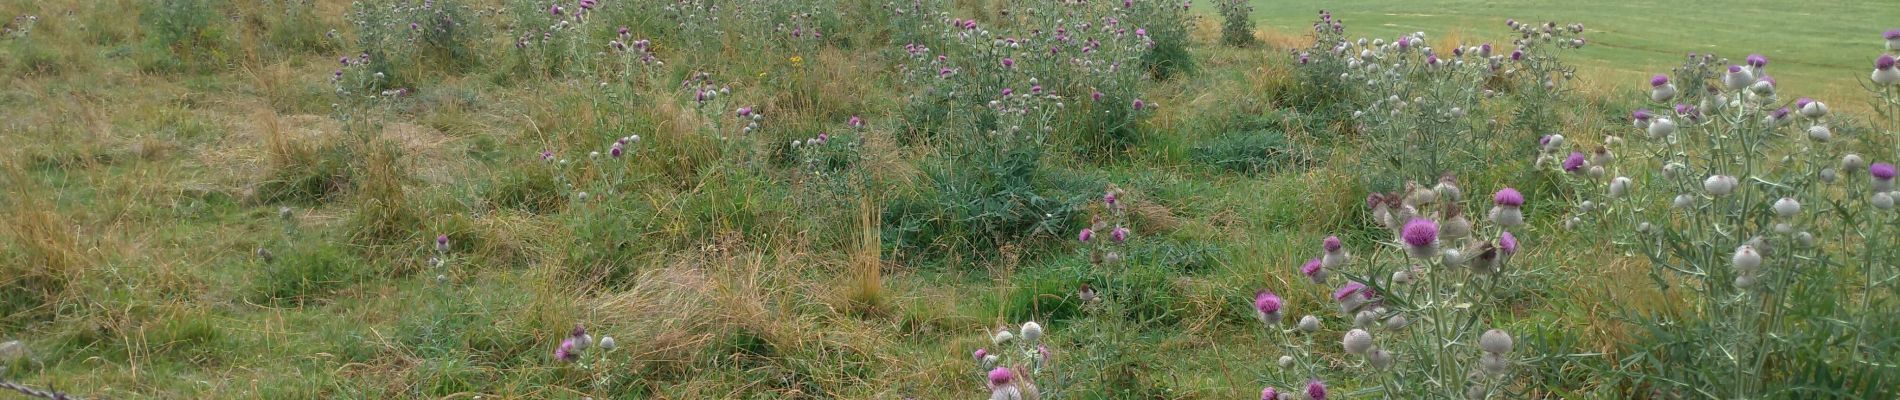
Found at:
[1422, 306]
[1017, 363]
[1765, 222]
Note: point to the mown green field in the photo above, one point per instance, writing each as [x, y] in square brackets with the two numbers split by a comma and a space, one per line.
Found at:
[1818, 48]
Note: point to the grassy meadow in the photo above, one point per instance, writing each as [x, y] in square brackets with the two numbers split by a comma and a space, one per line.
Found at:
[765, 199]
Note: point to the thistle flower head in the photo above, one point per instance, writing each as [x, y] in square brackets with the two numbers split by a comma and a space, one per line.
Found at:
[1347, 291]
[1085, 235]
[1641, 114]
[1574, 162]
[1746, 259]
[1507, 242]
[1658, 80]
[1316, 390]
[1757, 60]
[1885, 62]
[1332, 244]
[1891, 34]
[1508, 197]
[1269, 394]
[1119, 234]
[1313, 270]
[1266, 302]
[1420, 232]
[1357, 341]
[567, 351]
[442, 243]
[1882, 171]
[1787, 207]
[999, 377]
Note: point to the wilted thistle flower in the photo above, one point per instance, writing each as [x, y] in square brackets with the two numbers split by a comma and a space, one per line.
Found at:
[1421, 237]
[1619, 187]
[1495, 342]
[1883, 174]
[1357, 341]
[1314, 270]
[1032, 331]
[1316, 390]
[1787, 207]
[1456, 227]
[1660, 90]
[1719, 185]
[1746, 259]
[1267, 306]
[1309, 324]
[442, 243]
[1885, 73]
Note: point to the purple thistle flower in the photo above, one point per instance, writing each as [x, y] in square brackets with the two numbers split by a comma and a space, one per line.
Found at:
[745, 111]
[1269, 394]
[1641, 114]
[1097, 96]
[616, 151]
[1885, 62]
[1348, 290]
[1574, 163]
[1517, 55]
[1035, 89]
[980, 353]
[1757, 60]
[1891, 34]
[999, 377]
[1312, 268]
[1779, 114]
[1507, 242]
[856, 122]
[1110, 199]
[567, 351]
[554, 10]
[624, 31]
[414, 27]
[1119, 234]
[1008, 91]
[1316, 390]
[1798, 103]
[1658, 80]
[1009, 62]
[1266, 302]
[1085, 235]
[345, 60]
[1508, 197]
[442, 243]
[1142, 32]
[547, 155]
[1420, 232]
[1140, 104]
[1332, 244]
[1734, 69]
[1881, 171]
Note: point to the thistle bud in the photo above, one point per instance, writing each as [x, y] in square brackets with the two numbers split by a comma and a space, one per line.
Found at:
[1495, 342]
[1357, 341]
[1820, 133]
[1719, 185]
[1619, 187]
[1662, 127]
[1787, 207]
[1032, 331]
[1309, 324]
[1494, 364]
[1746, 259]
[1883, 201]
[1380, 359]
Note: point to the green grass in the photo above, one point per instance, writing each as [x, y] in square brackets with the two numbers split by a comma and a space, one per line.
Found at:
[1814, 48]
[139, 184]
